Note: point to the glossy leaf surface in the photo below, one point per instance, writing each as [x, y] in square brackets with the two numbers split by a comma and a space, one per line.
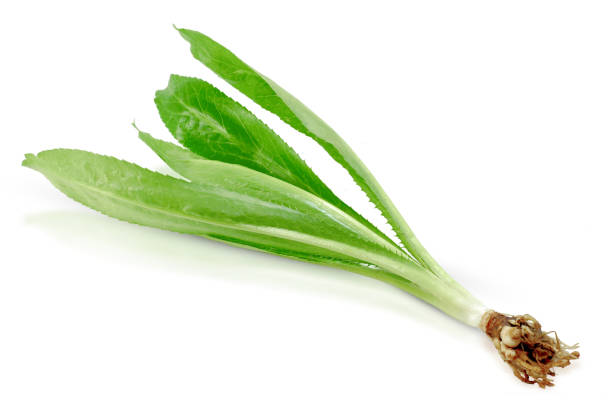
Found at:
[275, 99]
[229, 203]
[216, 127]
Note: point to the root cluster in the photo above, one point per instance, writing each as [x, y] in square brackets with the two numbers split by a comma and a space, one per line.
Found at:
[531, 353]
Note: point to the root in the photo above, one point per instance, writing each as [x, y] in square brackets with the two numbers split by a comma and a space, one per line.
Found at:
[531, 353]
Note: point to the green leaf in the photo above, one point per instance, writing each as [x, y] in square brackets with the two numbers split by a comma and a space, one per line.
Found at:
[275, 99]
[216, 127]
[229, 203]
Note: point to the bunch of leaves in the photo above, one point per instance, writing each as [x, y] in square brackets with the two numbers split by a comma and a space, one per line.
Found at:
[242, 184]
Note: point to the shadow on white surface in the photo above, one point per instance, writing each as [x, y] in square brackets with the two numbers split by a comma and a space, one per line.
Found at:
[95, 234]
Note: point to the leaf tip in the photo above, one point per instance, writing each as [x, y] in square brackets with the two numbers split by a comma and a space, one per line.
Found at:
[28, 160]
[145, 137]
[183, 32]
[169, 87]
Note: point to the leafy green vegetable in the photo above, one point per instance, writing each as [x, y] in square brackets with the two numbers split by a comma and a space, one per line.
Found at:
[216, 127]
[275, 99]
[245, 186]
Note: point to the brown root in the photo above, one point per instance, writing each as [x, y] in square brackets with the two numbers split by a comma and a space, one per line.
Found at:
[531, 353]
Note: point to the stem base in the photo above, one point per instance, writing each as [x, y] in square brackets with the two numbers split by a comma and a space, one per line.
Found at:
[531, 353]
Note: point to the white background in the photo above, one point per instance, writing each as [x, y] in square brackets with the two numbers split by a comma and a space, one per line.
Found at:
[487, 122]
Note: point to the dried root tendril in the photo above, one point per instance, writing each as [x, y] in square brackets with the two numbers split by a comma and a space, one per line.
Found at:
[532, 353]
